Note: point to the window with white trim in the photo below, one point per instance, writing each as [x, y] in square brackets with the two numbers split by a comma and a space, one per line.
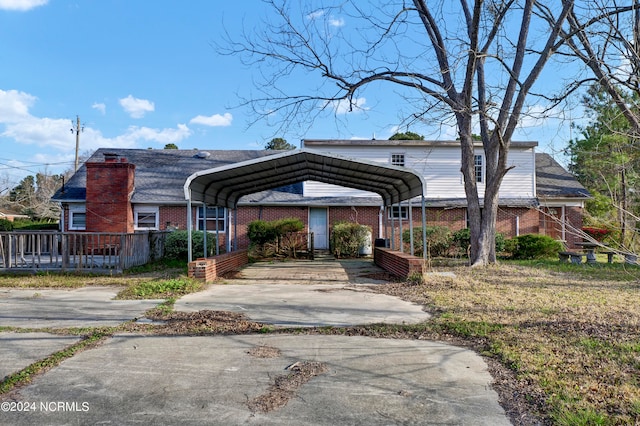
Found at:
[478, 168]
[146, 217]
[214, 214]
[399, 212]
[397, 159]
[77, 218]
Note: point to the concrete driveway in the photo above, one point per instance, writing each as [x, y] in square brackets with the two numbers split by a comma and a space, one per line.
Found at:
[136, 379]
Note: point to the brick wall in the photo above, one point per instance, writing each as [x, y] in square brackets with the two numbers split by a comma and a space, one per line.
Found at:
[211, 268]
[109, 186]
[396, 263]
[573, 216]
[363, 215]
[247, 214]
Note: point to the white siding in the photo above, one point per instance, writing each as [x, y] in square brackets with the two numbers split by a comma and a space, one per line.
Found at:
[440, 167]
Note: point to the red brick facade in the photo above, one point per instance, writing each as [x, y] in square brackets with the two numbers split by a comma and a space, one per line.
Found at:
[111, 183]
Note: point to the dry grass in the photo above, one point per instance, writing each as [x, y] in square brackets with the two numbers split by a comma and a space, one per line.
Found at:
[570, 334]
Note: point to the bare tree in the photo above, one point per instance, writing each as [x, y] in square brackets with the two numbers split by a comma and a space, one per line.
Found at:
[437, 54]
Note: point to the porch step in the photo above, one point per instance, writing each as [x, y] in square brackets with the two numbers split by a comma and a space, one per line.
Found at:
[323, 255]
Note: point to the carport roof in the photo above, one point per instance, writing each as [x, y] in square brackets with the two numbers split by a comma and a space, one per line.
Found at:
[223, 186]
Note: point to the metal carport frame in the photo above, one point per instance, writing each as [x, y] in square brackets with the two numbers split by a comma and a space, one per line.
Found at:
[224, 186]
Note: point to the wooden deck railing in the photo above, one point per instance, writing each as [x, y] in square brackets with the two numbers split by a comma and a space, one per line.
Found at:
[78, 251]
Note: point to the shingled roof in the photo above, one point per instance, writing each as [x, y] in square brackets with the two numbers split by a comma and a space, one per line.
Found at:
[160, 176]
[553, 181]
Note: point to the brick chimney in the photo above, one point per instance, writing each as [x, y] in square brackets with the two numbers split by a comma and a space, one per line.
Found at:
[109, 188]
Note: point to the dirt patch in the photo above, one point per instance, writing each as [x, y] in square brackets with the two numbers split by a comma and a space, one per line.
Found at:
[264, 352]
[285, 386]
[201, 322]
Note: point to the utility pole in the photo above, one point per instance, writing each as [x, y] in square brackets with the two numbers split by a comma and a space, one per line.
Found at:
[77, 129]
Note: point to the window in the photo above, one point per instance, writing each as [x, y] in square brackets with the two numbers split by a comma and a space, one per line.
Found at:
[213, 214]
[77, 218]
[399, 212]
[478, 168]
[146, 217]
[397, 160]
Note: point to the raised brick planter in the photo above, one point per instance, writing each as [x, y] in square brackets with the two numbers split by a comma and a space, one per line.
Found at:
[396, 263]
[211, 268]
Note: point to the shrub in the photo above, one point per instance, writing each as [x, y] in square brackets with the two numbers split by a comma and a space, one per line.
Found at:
[532, 246]
[177, 244]
[285, 226]
[261, 232]
[281, 232]
[28, 225]
[347, 238]
[439, 239]
[6, 225]
[597, 234]
[462, 241]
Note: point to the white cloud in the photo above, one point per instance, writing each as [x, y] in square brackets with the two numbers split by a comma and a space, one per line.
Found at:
[216, 120]
[136, 108]
[336, 22]
[14, 106]
[100, 107]
[163, 136]
[44, 132]
[21, 5]
[315, 15]
[343, 106]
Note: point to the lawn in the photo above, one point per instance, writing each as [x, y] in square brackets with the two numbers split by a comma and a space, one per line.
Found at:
[570, 333]
[562, 341]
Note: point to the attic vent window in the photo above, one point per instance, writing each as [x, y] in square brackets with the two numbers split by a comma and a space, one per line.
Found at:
[203, 154]
[397, 160]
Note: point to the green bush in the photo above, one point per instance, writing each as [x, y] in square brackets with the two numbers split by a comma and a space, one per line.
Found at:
[6, 225]
[287, 225]
[261, 232]
[275, 236]
[533, 246]
[462, 241]
[177, 244]
[36, 226]
[439, 239]
[347, 238]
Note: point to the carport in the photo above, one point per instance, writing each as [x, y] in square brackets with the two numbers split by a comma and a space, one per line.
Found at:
[224, 186]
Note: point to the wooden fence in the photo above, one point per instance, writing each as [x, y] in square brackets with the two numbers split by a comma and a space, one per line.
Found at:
[78, 251]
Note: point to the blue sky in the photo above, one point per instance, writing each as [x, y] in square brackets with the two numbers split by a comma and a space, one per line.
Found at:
[143, 74]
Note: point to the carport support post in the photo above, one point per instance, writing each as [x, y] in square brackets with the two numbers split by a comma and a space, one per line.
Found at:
[412, 251]
[400, 220]
[204, 231]
[228, 228]
[386, 224]
[189, 225]
[424, 229]
[235, 228]
[217, 231]
[393, 229]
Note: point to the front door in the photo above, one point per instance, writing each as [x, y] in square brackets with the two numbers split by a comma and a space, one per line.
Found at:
[318, 224]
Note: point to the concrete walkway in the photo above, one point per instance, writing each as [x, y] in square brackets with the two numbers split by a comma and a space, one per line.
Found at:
[212, 380]
[82, 307]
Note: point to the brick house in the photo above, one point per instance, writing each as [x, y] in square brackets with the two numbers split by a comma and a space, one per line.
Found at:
[128, 190]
